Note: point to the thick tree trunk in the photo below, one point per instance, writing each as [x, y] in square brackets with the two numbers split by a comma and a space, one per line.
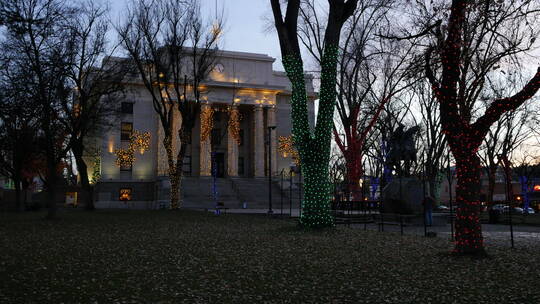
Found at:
[314, 147]
[354, 173]
[469, 238]
[87, 193]
[432, 184]
[316, 205]
[174, 194]
[314, 151]
[174, 177]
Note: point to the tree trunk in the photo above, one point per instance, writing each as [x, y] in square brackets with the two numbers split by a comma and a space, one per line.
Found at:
[316, 205]
[432, 184]
[354, 173]
[174, 177]
[314, 152]
[87, 193]
[469, 238]
[314, 148]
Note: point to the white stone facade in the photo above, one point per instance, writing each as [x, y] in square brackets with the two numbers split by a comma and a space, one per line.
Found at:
[243, 80]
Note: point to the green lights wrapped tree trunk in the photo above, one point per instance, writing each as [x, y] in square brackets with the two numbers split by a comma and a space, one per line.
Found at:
[313, 145]
[465, 137]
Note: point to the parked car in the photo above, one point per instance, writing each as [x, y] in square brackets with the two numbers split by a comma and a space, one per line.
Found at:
[500, 207]
[529, 210]
[515, 210]
[518, 210]
[442, 208]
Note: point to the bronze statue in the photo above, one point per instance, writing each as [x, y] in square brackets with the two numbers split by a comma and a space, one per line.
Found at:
[402, 148]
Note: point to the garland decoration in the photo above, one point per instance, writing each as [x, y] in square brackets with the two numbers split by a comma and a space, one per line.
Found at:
[139, 141]
[124, 157]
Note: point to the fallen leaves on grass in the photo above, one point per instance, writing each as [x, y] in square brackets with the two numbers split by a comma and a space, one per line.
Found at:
[191, 257]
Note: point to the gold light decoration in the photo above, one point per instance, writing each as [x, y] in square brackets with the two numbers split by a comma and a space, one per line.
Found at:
[286, 148]
[234, 123]
[216, 30]
[207, 122]
[140, 141]
[96, 168]
[137, 141]
[124, 157]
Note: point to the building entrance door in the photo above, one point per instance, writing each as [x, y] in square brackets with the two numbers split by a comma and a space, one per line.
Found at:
[219, 162]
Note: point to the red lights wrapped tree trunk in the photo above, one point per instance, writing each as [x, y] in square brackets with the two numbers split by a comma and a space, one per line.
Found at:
[353, 159]
[465, 137]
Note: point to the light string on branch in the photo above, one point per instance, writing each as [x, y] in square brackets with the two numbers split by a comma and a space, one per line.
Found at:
[286, 148]
[207, 122]
[234, 123]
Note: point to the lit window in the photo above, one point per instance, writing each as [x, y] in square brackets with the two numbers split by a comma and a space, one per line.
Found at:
[536, 187]
[125, 194]
[126, 130]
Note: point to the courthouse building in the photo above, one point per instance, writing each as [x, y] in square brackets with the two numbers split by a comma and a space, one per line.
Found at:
[243, 81]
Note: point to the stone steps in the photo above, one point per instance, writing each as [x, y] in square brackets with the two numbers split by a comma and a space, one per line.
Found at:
[232, 192]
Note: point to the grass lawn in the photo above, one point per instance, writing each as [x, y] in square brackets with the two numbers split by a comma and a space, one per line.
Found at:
[192, 257]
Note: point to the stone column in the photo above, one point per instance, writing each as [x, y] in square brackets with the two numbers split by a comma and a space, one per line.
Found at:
[258, 141]
[205, 164]
[232, 150]
[273, 138]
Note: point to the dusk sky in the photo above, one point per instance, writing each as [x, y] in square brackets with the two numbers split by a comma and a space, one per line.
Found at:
[244, 25]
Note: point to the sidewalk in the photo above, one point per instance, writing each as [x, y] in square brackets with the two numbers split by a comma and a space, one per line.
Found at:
[493, 234]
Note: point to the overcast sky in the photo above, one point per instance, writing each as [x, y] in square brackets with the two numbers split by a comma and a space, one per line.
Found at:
[244, 28]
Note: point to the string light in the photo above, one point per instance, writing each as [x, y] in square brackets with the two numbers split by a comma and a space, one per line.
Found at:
[464, 138]
[174, 175]
[137, 141]
[234, 123]
[140, 141]
[286, 148]
[207, 122]
[96, 168]
[314, 149]
[124, 157]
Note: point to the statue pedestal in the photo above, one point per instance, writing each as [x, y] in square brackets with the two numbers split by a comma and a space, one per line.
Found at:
[404, 196]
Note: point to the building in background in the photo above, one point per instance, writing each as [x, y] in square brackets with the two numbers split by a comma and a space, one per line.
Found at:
[243, 81]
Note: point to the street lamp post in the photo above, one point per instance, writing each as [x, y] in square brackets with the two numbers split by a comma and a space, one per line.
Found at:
[270, 128]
